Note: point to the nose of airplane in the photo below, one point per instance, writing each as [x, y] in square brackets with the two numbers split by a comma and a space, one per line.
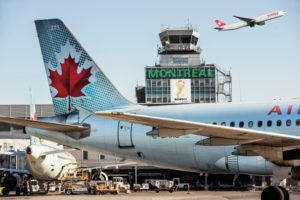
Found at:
[28, 150]
[33, 152]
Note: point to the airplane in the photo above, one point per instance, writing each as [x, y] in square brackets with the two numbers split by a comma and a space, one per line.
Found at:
[248, 21]
[90, 113]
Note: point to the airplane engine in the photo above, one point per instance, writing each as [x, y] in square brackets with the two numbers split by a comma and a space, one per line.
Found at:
[261, 23]
[251, 24]
[245, 165]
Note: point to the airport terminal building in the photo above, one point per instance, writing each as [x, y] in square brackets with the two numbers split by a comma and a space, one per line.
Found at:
[180, 76]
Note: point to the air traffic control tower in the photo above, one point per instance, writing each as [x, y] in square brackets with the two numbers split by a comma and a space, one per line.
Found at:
[181, 76]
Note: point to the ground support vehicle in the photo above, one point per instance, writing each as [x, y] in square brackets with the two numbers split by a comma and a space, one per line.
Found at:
[140, 187]
[121, 184]
[161, 185]
[105, 187]
[75, 187]
[180, 185]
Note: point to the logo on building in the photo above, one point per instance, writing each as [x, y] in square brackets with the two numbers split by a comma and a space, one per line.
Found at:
[179, 73]
[180, 90]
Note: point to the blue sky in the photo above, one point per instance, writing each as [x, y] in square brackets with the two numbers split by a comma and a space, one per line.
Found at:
[122, 37]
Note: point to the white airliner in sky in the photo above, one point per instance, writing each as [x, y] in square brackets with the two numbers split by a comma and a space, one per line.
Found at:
[248, 21]
[90, 113]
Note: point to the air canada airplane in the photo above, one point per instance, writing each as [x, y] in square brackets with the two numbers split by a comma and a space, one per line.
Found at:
[248, 21]
[90, 113]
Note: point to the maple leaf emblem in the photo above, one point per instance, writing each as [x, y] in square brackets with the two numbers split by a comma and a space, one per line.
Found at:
[69, 83]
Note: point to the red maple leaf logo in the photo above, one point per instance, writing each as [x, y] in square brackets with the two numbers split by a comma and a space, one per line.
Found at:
[69, 83]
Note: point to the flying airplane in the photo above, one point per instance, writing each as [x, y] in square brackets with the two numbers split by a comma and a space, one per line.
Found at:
[90, 113]
[248, 21]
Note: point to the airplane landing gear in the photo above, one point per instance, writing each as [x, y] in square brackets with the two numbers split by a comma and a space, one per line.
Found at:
[275, 193]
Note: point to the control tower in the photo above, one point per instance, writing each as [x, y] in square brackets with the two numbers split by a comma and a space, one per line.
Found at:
[180, 75]
[179, 47]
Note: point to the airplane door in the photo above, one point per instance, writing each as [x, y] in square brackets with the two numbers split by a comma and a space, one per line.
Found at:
[125, 135]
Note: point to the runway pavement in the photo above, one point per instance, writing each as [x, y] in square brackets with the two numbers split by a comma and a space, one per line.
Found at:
[151, 195]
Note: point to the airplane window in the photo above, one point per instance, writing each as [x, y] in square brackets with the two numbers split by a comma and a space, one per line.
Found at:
[259, 123]
[223, 124]
[298, 122]
[269, 123]
[250, 124]
[288, 122]
[232, 124]
[241, 124]
[278, 123]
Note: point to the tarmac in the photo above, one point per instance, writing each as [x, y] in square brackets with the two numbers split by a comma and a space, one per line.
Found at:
[151, 195]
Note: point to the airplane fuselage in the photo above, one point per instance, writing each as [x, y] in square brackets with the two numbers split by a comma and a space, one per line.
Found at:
[234, 26]
[133, 141]
[48, 167]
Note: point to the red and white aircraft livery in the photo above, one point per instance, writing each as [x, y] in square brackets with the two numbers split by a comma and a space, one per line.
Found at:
[248, 21]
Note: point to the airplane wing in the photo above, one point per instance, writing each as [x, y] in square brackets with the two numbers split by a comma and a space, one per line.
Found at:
[248, 20]
[217, 135]
[74, 131]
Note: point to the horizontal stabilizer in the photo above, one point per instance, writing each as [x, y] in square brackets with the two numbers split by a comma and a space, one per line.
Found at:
[248, 20]
[73, 131]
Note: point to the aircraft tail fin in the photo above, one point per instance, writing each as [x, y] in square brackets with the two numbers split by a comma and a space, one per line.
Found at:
[219, 23]
[74, 78]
